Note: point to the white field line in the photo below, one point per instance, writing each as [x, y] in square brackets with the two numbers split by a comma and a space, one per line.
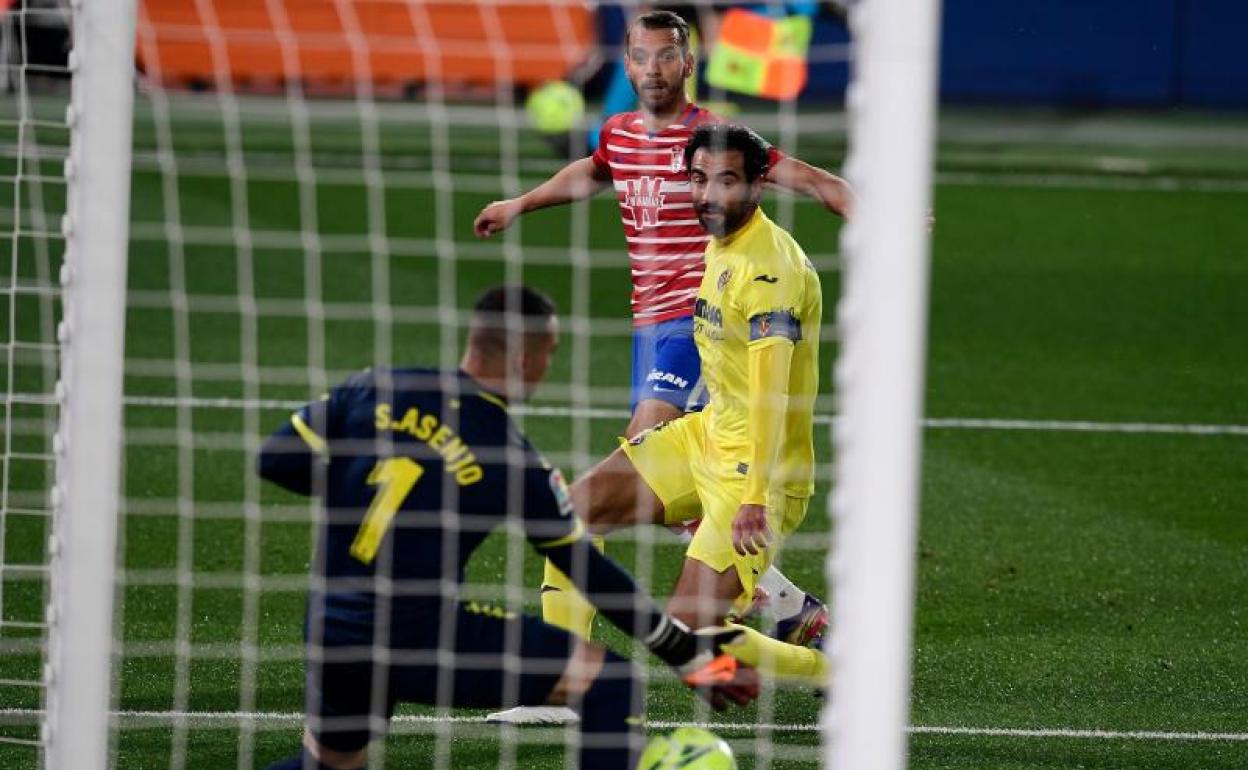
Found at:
[1059, 732]
[1023, 128]
[1092, 181]
[1086, 426]
[219, 718]
[413, 172]
[931, 423]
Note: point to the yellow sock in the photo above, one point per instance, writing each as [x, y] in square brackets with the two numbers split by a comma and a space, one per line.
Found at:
[563, 605]
[779, 660]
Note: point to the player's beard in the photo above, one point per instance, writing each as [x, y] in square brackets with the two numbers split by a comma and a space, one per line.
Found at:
[658, 96]
[724, 220]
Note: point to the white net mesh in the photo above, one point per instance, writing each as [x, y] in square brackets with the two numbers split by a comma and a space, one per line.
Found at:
[305, 177]
[34, 86]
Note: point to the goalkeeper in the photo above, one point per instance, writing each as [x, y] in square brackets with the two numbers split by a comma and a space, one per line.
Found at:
[416, 467]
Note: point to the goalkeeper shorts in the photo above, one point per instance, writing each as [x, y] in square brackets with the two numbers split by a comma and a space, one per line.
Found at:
[350, 697]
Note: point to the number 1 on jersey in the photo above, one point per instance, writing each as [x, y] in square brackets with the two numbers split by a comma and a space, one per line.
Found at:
[395, 476]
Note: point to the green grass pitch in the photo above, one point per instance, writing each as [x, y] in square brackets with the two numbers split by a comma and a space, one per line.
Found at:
[1084, 580]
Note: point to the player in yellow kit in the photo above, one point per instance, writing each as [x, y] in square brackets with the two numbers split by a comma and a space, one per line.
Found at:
[749, 454]
[745, 464]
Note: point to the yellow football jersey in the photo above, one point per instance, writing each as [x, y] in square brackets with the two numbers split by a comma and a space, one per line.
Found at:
[759, 289]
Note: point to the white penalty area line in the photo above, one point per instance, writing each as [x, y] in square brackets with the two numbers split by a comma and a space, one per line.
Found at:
[1092, 181]
[1005, 732]
[413, 171]
[292, 718]
[1086, 426]
[931, 423]
[1061, 732]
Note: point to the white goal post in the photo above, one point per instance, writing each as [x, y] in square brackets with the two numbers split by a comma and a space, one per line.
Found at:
[88, 444]
[882, 316]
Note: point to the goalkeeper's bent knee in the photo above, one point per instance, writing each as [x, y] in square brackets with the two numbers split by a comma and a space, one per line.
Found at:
[302, 761]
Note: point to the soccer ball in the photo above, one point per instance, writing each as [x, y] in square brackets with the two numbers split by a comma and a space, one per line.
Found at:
[555, 107]
[687, 748]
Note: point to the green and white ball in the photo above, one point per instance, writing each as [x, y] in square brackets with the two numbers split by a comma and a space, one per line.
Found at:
[687, 748]
[555, 107]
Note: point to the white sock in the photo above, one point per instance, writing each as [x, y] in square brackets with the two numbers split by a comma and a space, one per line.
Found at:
[786, 598]
[684, 531]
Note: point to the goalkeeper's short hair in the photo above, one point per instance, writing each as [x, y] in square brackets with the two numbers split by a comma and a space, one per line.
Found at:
[509, 309]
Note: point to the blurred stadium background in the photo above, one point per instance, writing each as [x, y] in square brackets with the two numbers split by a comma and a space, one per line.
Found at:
[305, 175]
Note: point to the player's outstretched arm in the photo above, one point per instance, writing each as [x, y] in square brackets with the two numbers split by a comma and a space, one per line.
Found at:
[290, 457]
[287, 460]
[578, 180]
[829, 189]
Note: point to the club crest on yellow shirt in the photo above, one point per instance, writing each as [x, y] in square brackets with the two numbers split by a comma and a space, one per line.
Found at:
[724, 277]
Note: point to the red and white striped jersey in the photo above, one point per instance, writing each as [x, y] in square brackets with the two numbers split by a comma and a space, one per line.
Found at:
[665, 240]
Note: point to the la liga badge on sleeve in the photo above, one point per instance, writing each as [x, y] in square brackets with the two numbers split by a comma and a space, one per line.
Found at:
[560, 489]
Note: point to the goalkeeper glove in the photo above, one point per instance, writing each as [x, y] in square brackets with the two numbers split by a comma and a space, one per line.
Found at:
[701, 663]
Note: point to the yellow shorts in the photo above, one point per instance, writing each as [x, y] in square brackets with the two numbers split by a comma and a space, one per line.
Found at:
[673, 460]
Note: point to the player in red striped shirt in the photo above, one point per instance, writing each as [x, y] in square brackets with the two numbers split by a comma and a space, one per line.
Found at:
[641, 154]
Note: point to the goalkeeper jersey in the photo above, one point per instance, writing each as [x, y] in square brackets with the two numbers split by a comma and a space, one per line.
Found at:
[759, 289]
[417, 468]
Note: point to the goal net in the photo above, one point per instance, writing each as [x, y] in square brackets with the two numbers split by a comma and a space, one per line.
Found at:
[303, 182]
[34, 94]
